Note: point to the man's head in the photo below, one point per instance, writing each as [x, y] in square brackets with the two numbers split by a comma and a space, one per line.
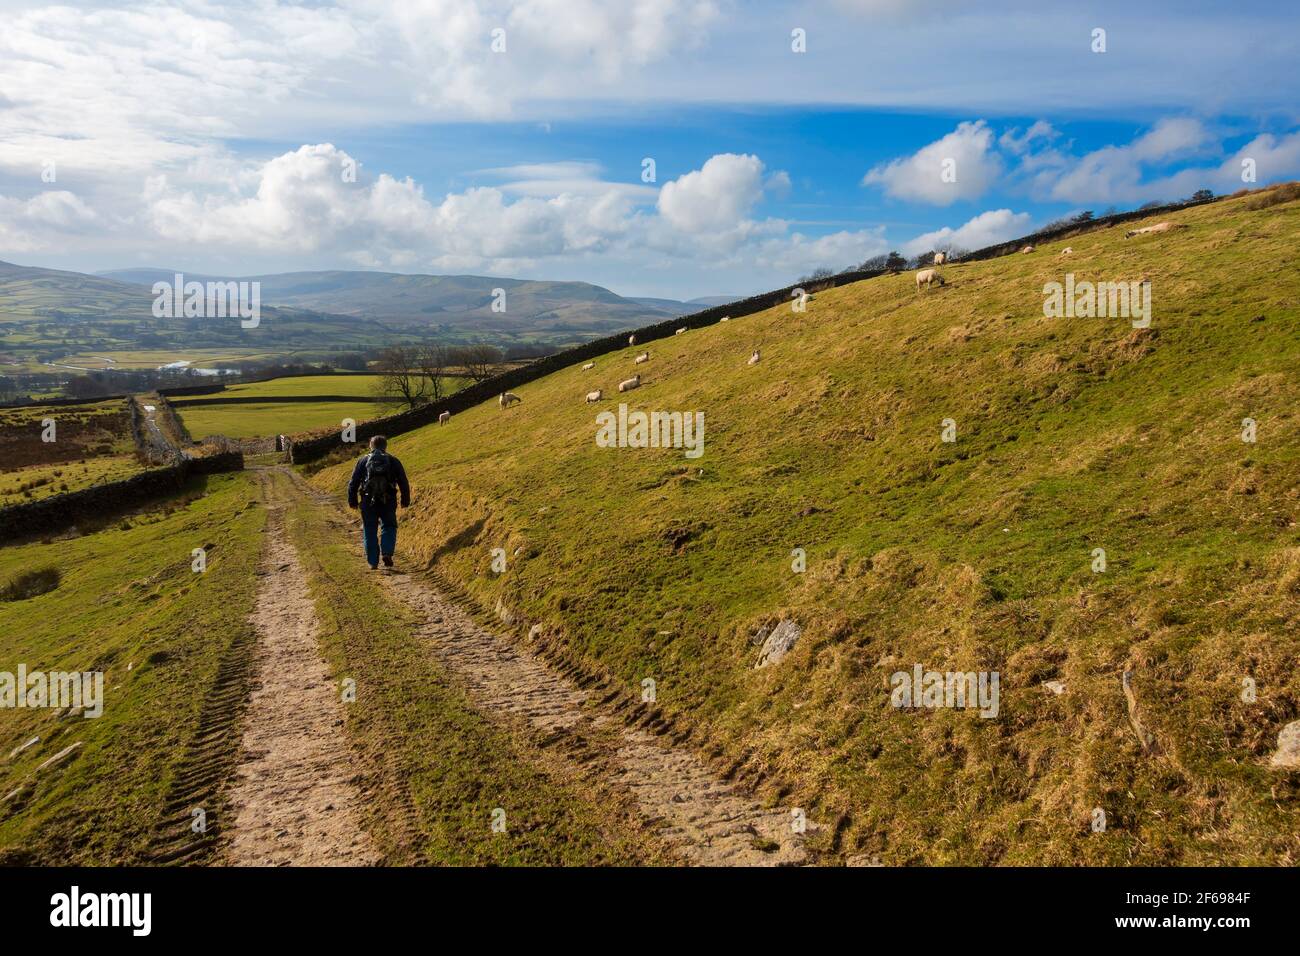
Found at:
[378, 443]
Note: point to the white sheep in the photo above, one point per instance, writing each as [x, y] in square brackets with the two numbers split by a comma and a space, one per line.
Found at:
[753, 359]
[1158, 227]
[508, 398]
[725, 318]
[643, 357]
[444, 418]
[589, 365]
[593, 396]
[940, 258]
[628, 384]
[928, 277]
[1066, 252]
[681, 331]
[631, 339]
[1025, 251]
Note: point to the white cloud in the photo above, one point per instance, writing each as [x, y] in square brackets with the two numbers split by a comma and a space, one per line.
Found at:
[1118, 174]
[714, 198]
[45, 219]
[961, 165]
[1013, 141]
[986, 229]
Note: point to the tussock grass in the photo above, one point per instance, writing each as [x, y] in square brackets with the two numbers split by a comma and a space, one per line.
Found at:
[1073, 434]
[30, 584]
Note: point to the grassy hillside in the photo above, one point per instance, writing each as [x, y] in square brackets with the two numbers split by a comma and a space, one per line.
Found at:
[1072, 434]
[128, 604]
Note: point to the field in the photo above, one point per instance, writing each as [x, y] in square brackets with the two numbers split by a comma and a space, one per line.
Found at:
[979, 554]
[128, 604]
[257, 419]
[356, 386]
[92, 444]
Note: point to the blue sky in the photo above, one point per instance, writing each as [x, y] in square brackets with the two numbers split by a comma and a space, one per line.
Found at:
[268, 136]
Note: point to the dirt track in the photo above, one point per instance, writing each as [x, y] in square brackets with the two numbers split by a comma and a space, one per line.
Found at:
[703, 818]
[293, 800]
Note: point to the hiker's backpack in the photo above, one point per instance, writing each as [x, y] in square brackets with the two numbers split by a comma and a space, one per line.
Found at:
[378, 485]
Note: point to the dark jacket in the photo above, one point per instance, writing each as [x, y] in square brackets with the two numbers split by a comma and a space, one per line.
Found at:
[398, 475]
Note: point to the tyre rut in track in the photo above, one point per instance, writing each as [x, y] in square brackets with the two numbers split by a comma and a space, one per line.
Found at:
[294, 798]
[704, 819]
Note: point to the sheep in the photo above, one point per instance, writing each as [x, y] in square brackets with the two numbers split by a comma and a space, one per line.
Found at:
[593, 396]
[589, 365]
[1066, 251]
[508, 398]
[927, 277]
[444, 418]
[643, 357]
[753, 359]
[628, 384]
[681, 331]
[631, 339]
[725, 318]
[940, 258]
[1158, 227]
[1025, 251]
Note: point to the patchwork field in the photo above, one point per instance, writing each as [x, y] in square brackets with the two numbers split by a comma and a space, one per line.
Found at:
[1121, 682]
[92, 445]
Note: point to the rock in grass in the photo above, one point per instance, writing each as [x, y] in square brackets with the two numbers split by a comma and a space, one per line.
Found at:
[778, 643]
[1287, 756]
[59, 757]
[1055, 686]
[21, 747]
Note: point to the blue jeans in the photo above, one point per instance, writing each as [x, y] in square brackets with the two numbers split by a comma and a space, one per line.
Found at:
[384, 521]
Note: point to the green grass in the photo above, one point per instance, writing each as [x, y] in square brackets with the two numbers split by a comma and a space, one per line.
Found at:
[426, 741]
[1073, 434]
[259, 420]
[92, 444]
[41, 481]
[356, 386]
[129, 605]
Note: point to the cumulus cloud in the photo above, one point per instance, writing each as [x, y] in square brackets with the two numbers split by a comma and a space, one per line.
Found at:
[714, 198]
[986, 229]
[27, 225]
[961, 165]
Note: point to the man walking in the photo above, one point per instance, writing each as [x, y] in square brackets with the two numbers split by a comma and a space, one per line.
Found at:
[376, 480]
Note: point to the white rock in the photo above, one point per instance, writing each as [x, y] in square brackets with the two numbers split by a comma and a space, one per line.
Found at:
[1287, 756]
[1055, 686]
[778, 643]
[59, 757]
[21, 747]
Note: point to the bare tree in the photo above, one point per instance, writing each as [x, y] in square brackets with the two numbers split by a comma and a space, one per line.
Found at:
[401, 381]
[480, 361]
[433, 361]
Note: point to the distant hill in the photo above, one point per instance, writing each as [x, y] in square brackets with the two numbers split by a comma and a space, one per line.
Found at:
[49, 313]
[537, 308]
